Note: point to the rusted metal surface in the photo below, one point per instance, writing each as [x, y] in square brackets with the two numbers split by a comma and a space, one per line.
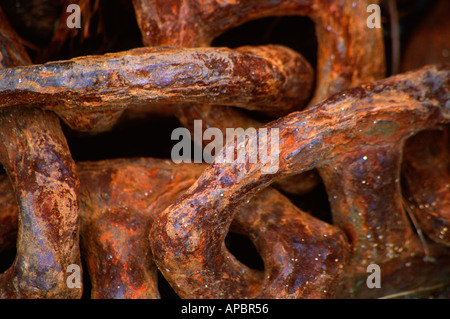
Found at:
[426, 182]
[9, 215]
[348, 52]
[380, 147]
[36, 157]
[355, 140]
[12, 53]
[114, 255]
[429, 43]
[120, 200]
[46, 188]
[254, 78]
[345, 42]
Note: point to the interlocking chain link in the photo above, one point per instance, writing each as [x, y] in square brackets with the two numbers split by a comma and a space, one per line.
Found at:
[130, 218]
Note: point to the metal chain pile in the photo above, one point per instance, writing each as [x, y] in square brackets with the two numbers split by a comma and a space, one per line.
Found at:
[380, 145]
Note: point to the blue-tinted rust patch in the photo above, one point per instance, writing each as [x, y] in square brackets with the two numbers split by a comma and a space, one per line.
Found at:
[384, 128]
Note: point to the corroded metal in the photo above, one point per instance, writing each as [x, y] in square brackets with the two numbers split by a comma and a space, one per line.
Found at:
[46, 188]
[348, 52]
[345, 42]
[380, 147]
[426, 182]
[355, 140]
[281, 232]
[36, 157]
[271, 79]
[120, 199]
[12, 52]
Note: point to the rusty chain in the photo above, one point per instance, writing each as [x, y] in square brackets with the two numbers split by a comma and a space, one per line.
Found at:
[341, 122]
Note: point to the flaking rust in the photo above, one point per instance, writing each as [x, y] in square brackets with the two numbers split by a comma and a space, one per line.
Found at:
[36, 157]
[255, 78]
[361, 171]
[380, 146]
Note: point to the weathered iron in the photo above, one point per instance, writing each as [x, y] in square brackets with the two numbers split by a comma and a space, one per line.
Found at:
[355, 140]
[36, 157]
[380, 146]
